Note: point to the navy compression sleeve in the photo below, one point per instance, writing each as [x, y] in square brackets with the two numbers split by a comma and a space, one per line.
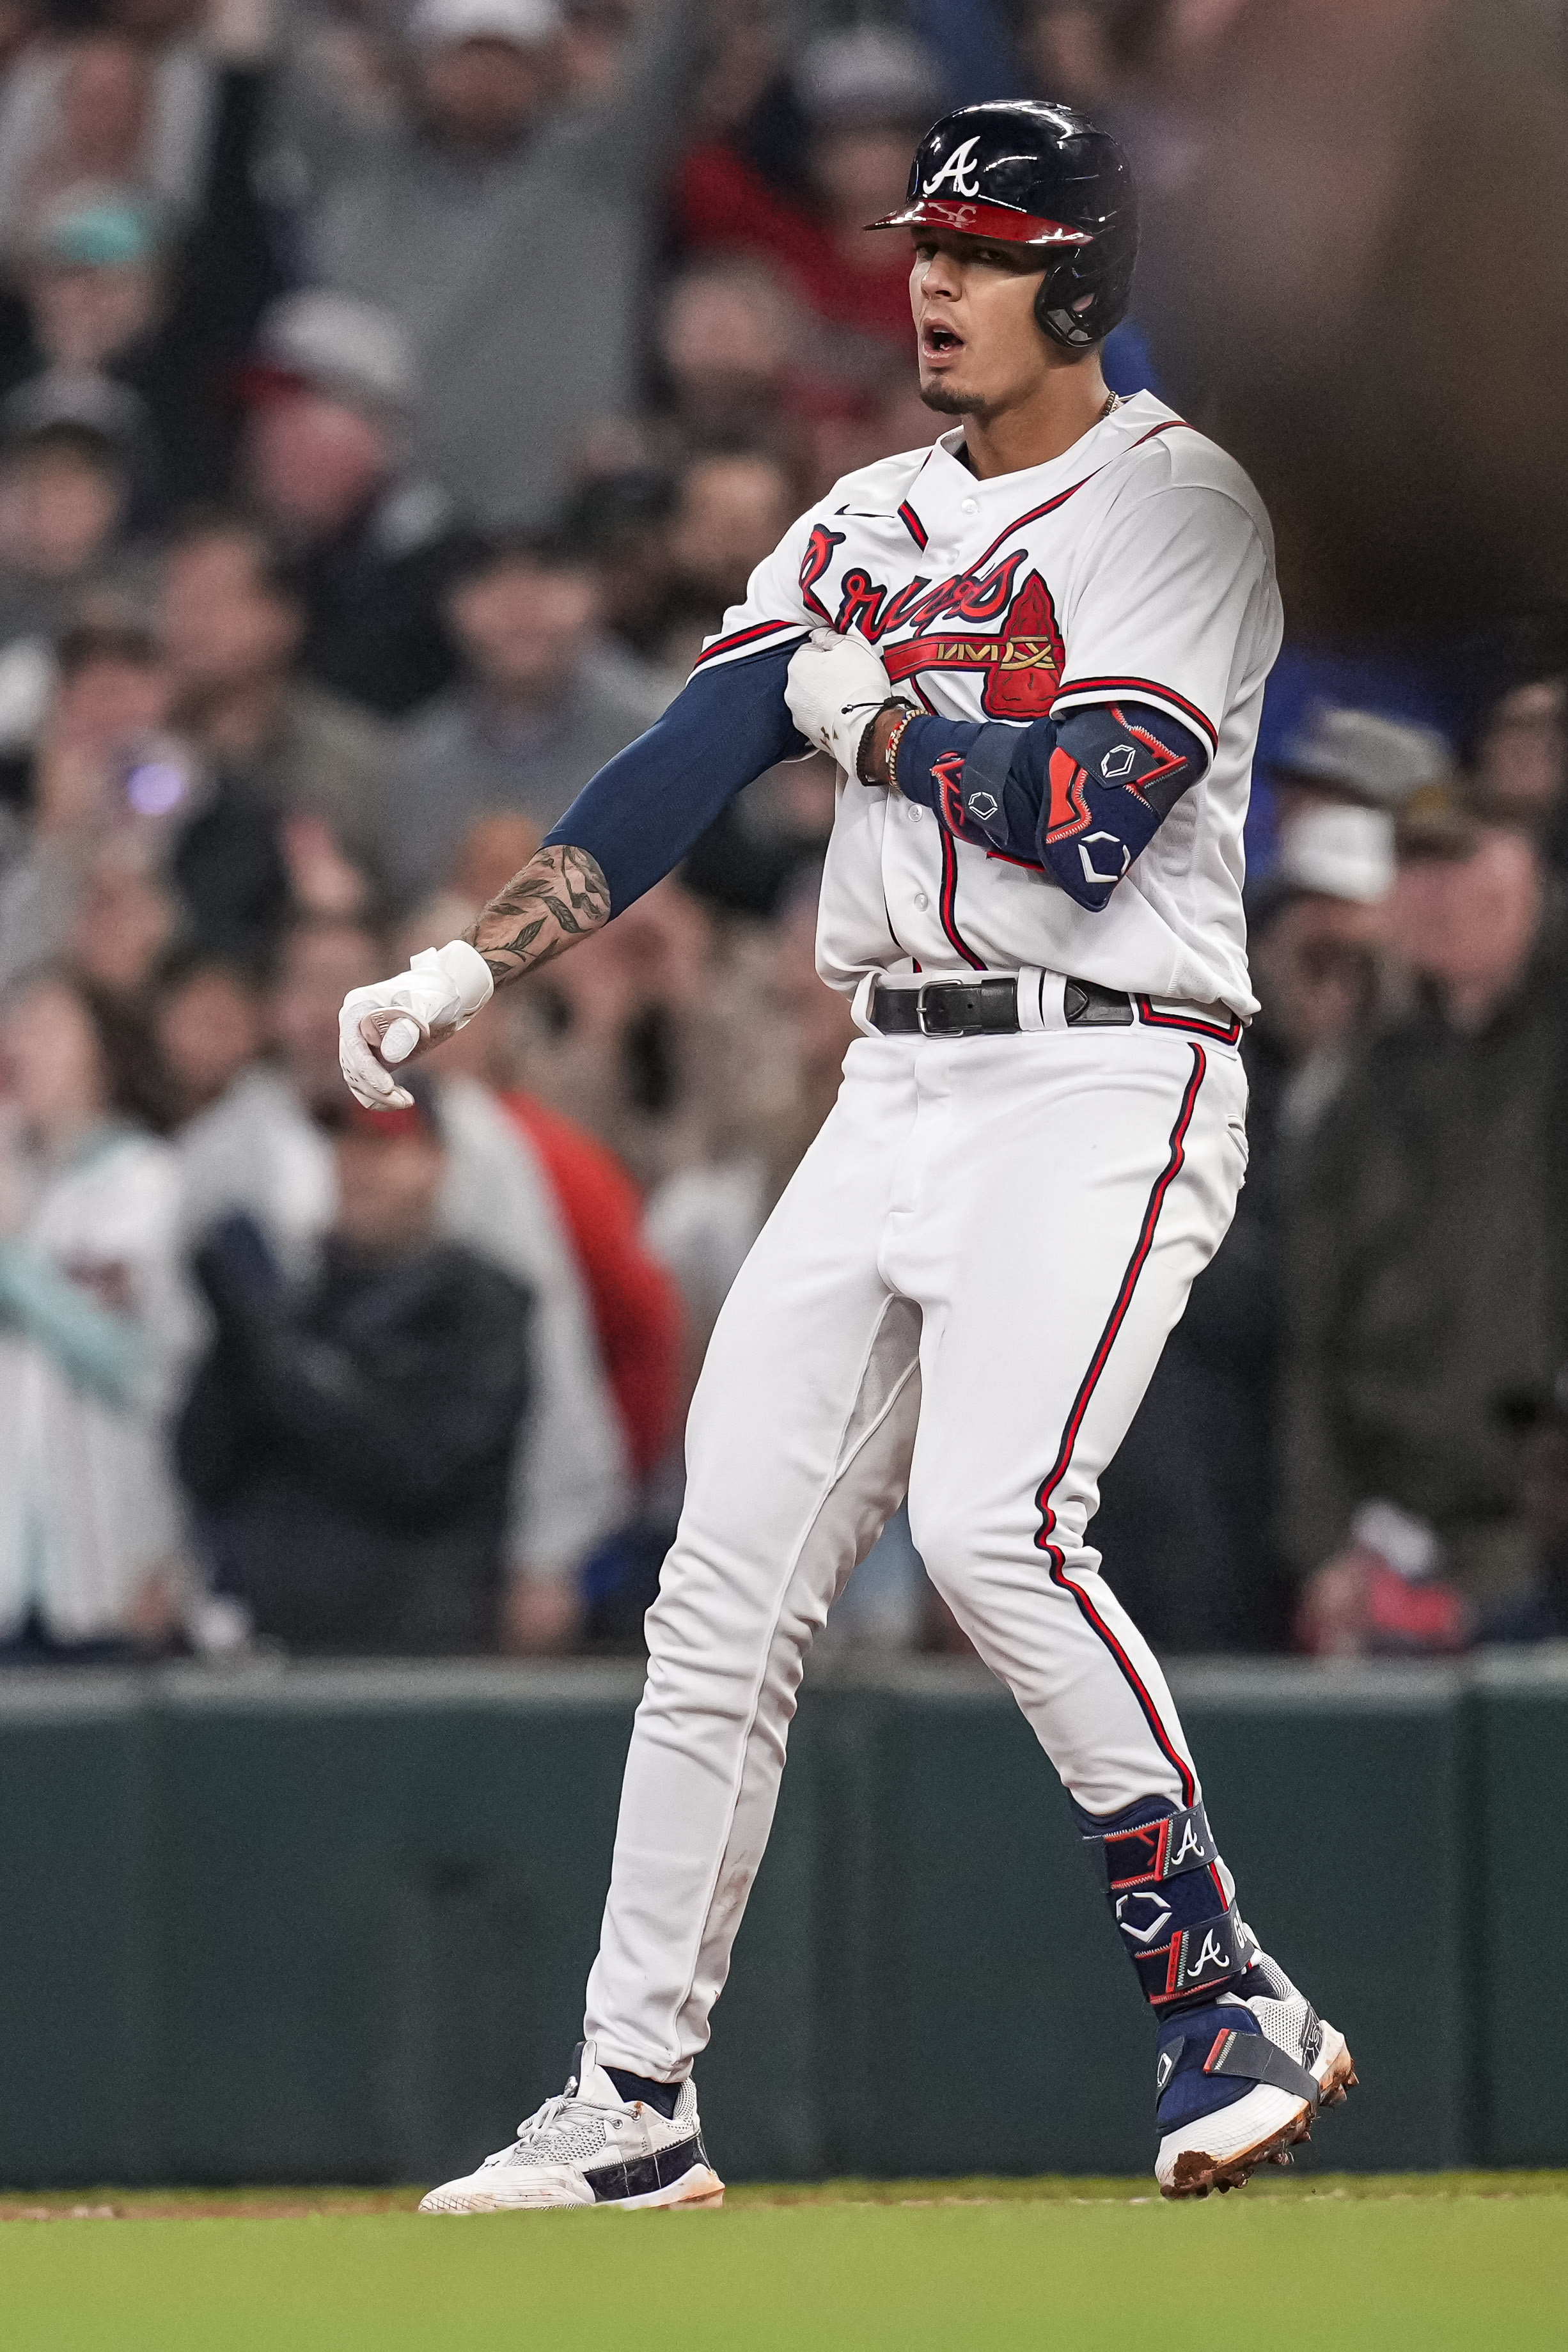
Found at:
[640, 815]
[1082, 799]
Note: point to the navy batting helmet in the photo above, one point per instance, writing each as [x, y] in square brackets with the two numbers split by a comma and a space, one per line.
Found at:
[1036, 174]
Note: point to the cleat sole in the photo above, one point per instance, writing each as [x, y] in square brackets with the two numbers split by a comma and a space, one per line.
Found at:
[699, 2191]
[1197, 2174]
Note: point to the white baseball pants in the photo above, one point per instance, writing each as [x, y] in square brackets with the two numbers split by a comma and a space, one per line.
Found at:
[961, 1295]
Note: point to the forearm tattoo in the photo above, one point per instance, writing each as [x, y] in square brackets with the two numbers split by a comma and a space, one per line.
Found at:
[559, 897]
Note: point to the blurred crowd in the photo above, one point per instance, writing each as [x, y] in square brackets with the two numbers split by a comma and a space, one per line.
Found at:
[392, 398]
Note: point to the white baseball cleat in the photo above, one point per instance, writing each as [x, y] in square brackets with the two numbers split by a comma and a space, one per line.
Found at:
[591, 2146]
[1241, 2080]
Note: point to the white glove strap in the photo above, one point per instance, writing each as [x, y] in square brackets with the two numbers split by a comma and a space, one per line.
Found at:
[444, 989]
[465, 972]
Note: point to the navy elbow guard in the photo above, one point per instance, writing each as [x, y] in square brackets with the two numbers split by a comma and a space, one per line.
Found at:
[1080, 799]
[1113, 777]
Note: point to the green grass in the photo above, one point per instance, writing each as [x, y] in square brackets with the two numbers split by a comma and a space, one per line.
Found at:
[1428, 2262]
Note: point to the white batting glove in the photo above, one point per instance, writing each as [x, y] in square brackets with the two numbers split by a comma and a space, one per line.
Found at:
[834, 688]
[442, 988]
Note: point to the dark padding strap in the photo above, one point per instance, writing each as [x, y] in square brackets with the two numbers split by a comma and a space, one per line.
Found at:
[1195, 1960]
[1162, 1849]
[1258, 2060]
[984, 785]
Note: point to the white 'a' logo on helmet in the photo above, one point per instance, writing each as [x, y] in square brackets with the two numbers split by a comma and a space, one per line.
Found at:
[957, 172]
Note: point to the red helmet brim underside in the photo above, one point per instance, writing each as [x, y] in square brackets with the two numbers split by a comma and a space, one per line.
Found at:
[966, 217]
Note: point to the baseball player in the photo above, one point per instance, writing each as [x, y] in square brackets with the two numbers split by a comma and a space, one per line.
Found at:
[1036, 650]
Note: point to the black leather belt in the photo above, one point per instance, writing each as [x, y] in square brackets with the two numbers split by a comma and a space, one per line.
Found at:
[987, 1008]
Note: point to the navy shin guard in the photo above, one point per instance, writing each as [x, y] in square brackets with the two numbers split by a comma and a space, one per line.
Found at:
[1170, 1897]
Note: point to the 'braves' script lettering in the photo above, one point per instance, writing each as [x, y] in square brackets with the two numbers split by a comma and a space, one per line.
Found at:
[864, 605]
[819, 555]
[1022, 661]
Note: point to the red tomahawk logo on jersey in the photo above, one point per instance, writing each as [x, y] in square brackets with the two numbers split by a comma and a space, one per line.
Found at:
[1023, 662]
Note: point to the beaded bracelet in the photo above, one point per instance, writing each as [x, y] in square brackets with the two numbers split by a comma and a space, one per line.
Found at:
[890, 755]
[893, 702]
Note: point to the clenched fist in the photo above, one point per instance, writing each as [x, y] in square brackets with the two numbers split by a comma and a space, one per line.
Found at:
[381, 1026]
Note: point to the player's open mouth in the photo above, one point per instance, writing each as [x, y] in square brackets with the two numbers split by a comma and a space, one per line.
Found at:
[939, 342]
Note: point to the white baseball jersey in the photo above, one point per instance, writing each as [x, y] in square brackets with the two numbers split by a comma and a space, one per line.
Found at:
[1137, 566]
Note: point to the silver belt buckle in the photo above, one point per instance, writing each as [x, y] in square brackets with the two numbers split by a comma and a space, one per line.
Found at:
[920, 1007]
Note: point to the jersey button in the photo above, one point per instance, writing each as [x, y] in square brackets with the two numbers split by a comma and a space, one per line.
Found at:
[970, 507]
[921, 901]
[914, 810]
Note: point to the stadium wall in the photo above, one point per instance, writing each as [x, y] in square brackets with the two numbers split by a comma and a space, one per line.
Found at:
[332, 1922]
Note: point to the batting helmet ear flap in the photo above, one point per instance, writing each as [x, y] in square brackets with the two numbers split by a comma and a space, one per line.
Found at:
[1085, 291]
